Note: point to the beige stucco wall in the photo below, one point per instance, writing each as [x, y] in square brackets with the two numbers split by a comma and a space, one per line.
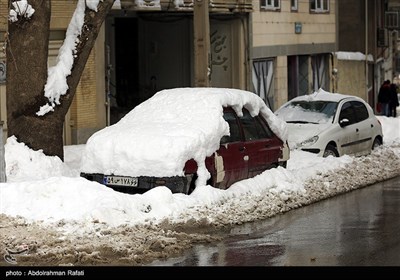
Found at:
[350, 77]
[281, 82]
[278, 28]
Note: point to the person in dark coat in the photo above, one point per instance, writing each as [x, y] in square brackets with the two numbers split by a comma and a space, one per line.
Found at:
[384, 97]
[393, 101]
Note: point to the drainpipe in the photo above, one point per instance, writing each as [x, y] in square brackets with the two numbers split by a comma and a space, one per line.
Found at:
[108, 88]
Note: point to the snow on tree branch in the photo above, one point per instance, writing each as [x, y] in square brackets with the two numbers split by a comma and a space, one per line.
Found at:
[22, 9]
[57, 75]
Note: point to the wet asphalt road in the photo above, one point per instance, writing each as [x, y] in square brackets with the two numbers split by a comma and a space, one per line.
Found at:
[360, 228]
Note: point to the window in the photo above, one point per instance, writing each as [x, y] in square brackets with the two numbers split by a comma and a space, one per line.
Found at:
[263, 128]
[234, 136]
[252, 127]
[270, 4]
[360, 110]
[294, 5]
[263, 80]
[320, 68]
[319, 6]
[347, 113]
[392, 20]
[298, 76]
[383, 37]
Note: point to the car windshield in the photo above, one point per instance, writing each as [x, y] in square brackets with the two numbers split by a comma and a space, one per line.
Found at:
[317, 112]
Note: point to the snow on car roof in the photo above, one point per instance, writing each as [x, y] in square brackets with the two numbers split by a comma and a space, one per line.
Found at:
[323, 95]
[158, 136]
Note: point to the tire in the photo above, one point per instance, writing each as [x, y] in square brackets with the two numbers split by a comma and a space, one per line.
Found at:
[283, 164]
[330, 151]
[192, 183]
[377, 143]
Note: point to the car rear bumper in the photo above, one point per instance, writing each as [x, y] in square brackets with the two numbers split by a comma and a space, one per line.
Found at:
[177, 184]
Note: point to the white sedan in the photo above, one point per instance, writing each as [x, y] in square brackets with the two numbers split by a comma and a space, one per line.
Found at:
[331, 124]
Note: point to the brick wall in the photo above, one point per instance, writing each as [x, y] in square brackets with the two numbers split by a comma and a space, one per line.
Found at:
[83, 109]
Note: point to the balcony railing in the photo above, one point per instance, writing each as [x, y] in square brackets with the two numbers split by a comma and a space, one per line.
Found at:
[215, 6]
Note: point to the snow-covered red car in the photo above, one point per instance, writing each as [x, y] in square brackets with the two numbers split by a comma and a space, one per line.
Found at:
[184, 137]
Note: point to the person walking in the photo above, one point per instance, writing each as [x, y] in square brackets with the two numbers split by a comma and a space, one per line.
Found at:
[393, 100]
[384, 97]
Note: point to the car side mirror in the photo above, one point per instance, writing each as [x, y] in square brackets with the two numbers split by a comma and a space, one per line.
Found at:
[344, 122]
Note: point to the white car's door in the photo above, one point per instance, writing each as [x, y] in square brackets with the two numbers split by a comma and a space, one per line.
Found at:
[349, 142]
[365, 126]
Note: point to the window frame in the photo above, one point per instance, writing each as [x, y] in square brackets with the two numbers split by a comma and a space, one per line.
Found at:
[254, 127]
[270, 5]
[235, 121]
[360, 110]
[347, 107]
[294, 5]
[319, 6]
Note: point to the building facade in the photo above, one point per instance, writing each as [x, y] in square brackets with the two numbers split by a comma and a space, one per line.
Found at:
[292, 44]
[278, 49]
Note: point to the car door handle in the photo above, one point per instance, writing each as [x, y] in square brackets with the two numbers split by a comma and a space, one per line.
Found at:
[241, 149]
[356, 129]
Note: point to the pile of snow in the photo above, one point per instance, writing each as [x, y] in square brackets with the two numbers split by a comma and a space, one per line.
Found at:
[38, 189]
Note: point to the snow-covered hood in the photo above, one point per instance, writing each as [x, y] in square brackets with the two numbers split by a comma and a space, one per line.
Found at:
[298, 133]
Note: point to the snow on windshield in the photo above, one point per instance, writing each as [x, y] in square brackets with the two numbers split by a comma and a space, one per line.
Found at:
[157, 137]
[308, 112]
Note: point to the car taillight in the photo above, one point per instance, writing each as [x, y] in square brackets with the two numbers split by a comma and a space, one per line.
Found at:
[190, 167]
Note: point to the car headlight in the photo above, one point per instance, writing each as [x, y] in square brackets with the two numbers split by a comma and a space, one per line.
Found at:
[308, 142]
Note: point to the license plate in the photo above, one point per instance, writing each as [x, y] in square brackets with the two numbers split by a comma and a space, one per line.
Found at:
[121, 181]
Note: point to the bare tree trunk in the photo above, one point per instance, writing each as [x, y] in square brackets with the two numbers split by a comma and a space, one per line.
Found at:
[27, 50]
[27, 53]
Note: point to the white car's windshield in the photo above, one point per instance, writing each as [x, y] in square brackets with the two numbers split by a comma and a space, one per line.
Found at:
[317, 112]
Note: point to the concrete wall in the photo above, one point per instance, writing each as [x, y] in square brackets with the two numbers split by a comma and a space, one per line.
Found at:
[350, 77]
